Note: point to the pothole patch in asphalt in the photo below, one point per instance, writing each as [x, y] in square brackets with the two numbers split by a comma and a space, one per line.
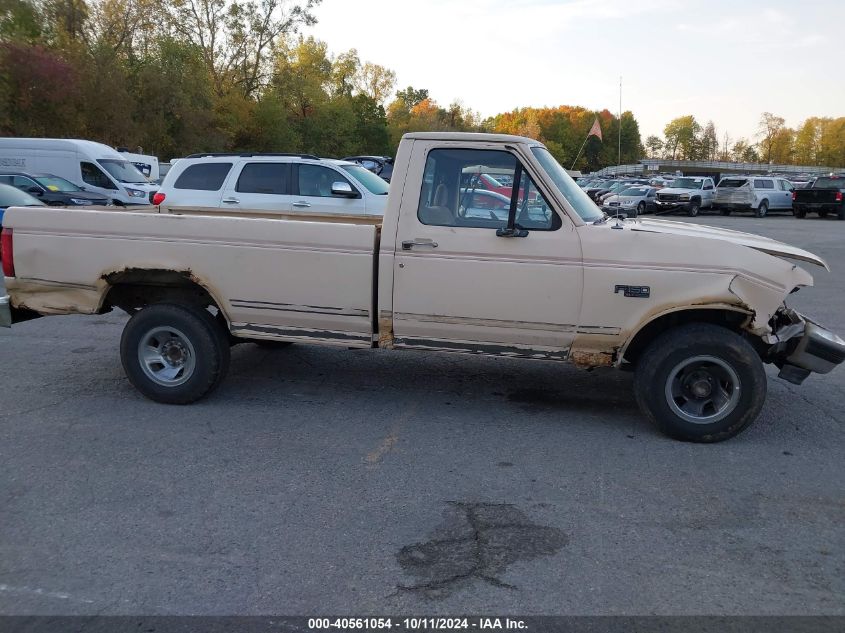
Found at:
[475, 542]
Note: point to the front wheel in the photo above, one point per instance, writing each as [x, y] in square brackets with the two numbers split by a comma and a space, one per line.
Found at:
[173, 353]
[693, 209]
[700, 383]
[762, 209]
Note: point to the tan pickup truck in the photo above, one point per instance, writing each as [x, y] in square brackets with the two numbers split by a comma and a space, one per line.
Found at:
[529, 269]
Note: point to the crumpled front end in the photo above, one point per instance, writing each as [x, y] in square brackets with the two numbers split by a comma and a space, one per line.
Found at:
[800, 346]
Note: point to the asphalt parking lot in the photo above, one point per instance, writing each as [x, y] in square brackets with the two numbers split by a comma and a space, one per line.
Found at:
[319, 481]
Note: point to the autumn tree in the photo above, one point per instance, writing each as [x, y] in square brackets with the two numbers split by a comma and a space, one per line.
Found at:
[767, 131]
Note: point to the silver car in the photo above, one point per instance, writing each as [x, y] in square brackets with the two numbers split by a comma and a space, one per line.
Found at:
[631, 202]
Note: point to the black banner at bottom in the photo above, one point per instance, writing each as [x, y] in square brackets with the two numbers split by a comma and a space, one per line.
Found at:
[403, 624]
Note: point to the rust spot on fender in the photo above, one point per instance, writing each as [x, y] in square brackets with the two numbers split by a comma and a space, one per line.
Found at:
[587, 359]
[385, 333]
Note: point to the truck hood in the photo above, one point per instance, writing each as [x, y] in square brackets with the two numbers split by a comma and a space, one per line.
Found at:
[757, 242]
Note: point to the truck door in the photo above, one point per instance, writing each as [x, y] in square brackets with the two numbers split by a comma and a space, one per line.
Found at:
[460, 282]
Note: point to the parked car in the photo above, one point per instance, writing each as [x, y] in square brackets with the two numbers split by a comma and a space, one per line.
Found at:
[694, 311]
[14, 197]
[631, 201]
[52, 190]
[759, 194]
[280, 183]
[687, 193]
[95, 166]
[380, 165]
[823, 197]
[615, 188]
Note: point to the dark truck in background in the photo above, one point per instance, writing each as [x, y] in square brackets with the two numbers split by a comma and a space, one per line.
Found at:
[824, 196]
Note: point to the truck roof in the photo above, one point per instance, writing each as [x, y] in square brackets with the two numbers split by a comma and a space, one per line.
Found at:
[471, 136]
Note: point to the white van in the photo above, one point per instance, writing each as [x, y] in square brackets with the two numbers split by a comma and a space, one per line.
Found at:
[93, 166]
[147, 165]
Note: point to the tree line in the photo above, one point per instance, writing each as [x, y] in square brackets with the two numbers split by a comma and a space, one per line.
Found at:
[818, 141]
[180, 76]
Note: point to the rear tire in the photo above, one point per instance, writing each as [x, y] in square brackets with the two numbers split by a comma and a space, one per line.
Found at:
[822, 214]
[725, 211]
[173, 353]
[762, 209]
[700, 383]
[840, 215]
[799, 213]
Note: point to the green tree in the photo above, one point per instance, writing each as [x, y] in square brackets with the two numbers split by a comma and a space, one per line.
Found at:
[681, 137]
[767, 131]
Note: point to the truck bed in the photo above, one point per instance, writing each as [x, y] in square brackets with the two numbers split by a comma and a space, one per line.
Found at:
[68, 259]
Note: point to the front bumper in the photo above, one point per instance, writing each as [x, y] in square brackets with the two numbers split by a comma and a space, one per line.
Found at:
[804, 347]
[5, 312]
[674, 205]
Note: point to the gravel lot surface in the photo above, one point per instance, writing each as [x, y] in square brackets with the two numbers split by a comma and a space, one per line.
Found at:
[325, 481]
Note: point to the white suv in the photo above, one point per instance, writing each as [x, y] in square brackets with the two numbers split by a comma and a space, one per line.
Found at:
[284, 183]
[753, 193]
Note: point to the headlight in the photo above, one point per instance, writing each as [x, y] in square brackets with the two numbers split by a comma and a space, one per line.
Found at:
[79, 201]
[136, 193]
[684, 196]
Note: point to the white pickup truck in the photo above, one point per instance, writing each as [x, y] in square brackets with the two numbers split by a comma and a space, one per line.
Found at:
[694, 311]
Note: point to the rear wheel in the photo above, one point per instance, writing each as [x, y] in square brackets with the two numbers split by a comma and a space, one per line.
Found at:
[840, 215]
[724, 211]
[700, 383]
[762, 209]
[799, 213]
[822, 214]
[174, 353]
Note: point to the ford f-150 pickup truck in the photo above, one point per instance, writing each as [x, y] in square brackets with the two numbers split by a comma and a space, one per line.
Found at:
[694, 311]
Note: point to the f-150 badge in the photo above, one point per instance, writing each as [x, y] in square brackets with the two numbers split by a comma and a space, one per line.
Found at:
[643, 292]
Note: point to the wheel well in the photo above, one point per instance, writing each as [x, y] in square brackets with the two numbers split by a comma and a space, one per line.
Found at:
[726, 318]
[133, 289]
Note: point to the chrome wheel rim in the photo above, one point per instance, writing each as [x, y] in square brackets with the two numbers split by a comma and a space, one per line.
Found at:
[702, 389]
[167, 356]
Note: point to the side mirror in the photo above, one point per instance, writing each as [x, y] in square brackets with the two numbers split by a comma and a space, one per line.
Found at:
[343, 189]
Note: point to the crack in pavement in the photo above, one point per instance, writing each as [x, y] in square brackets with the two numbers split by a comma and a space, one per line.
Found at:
[477, 541]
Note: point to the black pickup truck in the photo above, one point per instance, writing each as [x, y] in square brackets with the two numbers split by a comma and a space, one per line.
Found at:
[823, 196]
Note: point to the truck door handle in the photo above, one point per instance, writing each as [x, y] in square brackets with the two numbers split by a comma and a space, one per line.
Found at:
[409, 244]
[302, 204]
[231, 201]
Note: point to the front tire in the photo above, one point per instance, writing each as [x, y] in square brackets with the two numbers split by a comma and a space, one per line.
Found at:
[700, 383]
[693, 209]
[173, 353]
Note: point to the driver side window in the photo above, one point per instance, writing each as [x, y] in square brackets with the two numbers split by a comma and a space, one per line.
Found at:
[476, 188]
[93, 175]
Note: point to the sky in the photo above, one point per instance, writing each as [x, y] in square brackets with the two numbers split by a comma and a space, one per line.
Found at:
[718, 60]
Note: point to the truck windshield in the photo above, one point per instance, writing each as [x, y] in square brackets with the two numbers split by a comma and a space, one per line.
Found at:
[373, 183]
[687, 183]
[123, 171]
[576, 196]
[733, 182]
[829, 182]
[54, 183]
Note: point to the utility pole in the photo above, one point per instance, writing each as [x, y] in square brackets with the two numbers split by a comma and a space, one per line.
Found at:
[619, 160]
